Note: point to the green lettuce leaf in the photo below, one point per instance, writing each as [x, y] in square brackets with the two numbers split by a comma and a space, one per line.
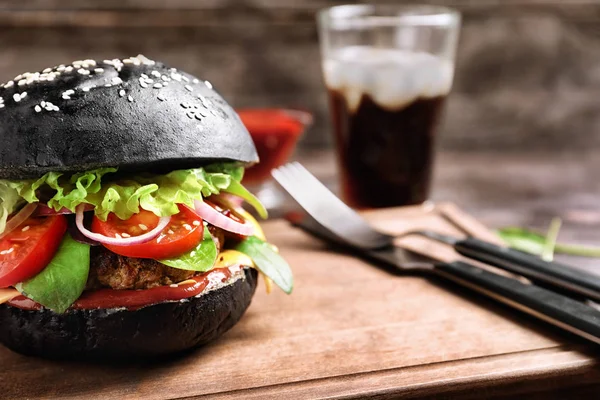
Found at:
[236, 172]
[523, 240]
[63, 280]
[201, 259]
[533, 242]
[237, 189]
[109, 192]
[9, 198]
[268, 261]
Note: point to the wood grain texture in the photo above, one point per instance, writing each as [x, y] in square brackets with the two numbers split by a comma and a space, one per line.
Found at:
[349, 330]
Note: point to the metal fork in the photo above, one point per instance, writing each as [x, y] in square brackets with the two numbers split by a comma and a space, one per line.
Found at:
[330, 219]
[331, 212]
[327, 209]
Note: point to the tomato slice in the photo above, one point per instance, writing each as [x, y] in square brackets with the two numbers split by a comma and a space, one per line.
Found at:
[183, 233]
[27, 250]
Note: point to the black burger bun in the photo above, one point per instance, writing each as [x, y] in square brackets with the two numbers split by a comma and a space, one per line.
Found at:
[135, 114]
[117, 334]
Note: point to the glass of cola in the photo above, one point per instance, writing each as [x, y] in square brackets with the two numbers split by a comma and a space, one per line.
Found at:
[388, 70]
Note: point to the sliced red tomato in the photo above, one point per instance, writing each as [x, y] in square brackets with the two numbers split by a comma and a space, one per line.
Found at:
[27, 250]
[183, 233]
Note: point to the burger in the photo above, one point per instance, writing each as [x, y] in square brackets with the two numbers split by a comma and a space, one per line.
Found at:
[122, 228]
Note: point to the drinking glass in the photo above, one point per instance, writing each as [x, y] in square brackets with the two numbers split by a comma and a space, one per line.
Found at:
[388, 70]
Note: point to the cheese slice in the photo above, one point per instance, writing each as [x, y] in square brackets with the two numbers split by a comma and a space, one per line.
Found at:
[8, 294]
[228, 258]
[268, 283]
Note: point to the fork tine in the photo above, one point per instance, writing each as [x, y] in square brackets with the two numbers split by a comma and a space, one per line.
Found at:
[284, 178]
[326, 208]
[299, 181]
[328, 199]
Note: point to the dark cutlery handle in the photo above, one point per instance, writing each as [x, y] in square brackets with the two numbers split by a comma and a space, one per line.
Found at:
[549, 306]
[530, 266]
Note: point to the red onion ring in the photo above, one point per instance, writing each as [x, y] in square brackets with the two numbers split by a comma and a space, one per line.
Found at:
[19, 218]
[230, 200]
[44, 210]
[219, 220]
[146, 237]
[76, 233]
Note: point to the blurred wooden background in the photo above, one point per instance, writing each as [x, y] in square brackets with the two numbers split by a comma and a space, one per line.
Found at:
[528, 74]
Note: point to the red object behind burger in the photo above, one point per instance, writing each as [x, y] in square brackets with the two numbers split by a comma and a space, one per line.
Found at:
[275, 132]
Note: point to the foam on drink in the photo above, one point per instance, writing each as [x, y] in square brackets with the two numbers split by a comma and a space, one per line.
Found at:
[392, 78]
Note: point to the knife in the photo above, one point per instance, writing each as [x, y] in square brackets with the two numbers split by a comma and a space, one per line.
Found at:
[556, 275]
[556, 309]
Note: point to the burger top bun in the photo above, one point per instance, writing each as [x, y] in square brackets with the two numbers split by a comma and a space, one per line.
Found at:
[135, 113]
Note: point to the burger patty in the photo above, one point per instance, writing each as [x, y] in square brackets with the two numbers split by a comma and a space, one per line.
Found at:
[110, 270]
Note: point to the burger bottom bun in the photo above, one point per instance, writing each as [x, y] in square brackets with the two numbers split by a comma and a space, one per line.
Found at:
[117, 334]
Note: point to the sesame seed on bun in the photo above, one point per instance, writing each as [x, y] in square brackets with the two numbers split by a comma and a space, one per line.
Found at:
[133, 113]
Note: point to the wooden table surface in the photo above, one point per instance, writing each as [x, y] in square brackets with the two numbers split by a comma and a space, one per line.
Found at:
[349, 330]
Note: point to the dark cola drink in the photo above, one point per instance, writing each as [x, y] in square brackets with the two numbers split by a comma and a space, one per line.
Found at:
[386, 106]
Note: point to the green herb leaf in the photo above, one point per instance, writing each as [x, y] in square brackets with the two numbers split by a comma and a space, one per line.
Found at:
[237, 189]
[534, 242]
[551, 237]
[522, 239]
[201, 259]
[268, 261]
[236, 172]
[9, 198]
[63, 280]
[577, 250]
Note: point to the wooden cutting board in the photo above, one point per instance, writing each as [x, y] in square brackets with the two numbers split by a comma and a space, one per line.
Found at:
[349, 330]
